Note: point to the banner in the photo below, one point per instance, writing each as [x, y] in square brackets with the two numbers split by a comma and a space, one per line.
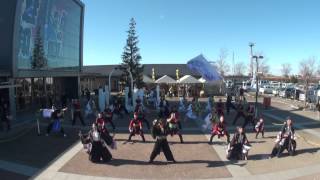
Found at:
[200, 65]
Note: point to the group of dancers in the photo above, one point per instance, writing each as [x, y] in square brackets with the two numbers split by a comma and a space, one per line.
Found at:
[168, 122]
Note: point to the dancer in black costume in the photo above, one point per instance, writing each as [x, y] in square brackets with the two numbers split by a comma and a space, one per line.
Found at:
[236, 147]
[159, 133]
[285, 140]
[97, 145]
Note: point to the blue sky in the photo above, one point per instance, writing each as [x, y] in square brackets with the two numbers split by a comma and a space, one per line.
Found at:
[174, 31]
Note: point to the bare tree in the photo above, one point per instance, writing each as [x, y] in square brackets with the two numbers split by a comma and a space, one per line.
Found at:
[222, 64]
[285, 69]
[239, 68]
[318, 70]
[307, 72]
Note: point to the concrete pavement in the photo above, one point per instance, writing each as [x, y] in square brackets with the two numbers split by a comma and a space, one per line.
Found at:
[196, 159]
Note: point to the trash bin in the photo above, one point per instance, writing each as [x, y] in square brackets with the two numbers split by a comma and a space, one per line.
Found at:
[266, 102]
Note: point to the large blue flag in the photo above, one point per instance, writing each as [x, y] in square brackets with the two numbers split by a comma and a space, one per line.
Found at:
[201, 65]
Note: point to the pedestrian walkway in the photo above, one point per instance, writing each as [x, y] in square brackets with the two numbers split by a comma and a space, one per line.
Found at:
[18, 168]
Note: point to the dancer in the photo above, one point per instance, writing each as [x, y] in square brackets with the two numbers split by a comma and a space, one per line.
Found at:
[285, 140]
[219, 108]
[260, 127]
[240, 112]
[108, 117]
[229, 104]
[239, 146]
[142, 116]
[119, 107]
[96, 145]
[164, 107]
[182, 107]
[249, 113]
[174, 124]
[5, 115]
[55, 124]
[209, 104]
[212, 118]
[138, 104]
[196, 106]
[77, 113]
[159, 133]
[135, 127]
[220, 129]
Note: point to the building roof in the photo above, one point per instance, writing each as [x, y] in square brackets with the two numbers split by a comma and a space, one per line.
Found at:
[147, 79]
[187, 79]
[159, 69]
[165, 80]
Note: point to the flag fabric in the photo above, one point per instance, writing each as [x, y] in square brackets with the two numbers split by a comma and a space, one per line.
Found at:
[201, 65]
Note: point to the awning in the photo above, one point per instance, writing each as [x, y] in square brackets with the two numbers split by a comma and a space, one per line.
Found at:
[147, 79]
[202, 80]
[165, 80]
[188, 79]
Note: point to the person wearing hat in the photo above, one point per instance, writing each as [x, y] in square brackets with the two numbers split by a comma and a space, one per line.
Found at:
[135, 127]
[159, 133]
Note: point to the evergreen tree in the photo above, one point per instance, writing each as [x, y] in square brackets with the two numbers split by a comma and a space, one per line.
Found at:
[131, 57]
[38, 59]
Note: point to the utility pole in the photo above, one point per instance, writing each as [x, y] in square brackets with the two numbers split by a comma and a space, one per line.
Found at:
[251, 60]
[233, 64]
[257, 89]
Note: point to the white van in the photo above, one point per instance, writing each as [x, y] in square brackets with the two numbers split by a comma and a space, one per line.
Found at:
[246, 85]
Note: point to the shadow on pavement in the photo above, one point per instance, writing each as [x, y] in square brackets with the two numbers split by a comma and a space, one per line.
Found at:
[120, 162]
[284, 154]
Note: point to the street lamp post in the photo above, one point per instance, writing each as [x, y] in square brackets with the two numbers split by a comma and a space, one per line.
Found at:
[257, 90]
[130, 75]
[251, 44]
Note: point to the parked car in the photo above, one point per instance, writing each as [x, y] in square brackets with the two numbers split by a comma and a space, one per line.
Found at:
[229, 84]
[286, 92]
[295, 94]
[276, 91]
[311, 96]
[265, 89]
[246, 86]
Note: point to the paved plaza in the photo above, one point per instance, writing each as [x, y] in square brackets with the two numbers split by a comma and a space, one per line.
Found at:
[55, 157]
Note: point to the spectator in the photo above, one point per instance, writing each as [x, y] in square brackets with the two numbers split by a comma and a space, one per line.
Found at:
[5, 115]
[318, 109]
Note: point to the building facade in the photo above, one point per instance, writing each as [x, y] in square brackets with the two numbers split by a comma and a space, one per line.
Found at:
[60, 27]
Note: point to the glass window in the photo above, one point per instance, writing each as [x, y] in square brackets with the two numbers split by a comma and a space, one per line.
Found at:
[59, 22]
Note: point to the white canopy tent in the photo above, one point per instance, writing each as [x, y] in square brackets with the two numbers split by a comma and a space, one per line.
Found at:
[202, 80]
[165, 80]
[188, 79]
[147, 79]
